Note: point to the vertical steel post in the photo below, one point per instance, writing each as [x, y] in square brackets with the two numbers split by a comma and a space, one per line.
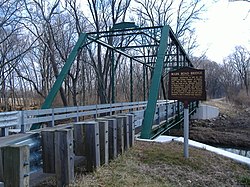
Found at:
[23, 129]
[144, 82]
[113, 77]
[186, 129]
[146, 72]
[53, 118]
[155, 85]
[77, 117]
[131, 80]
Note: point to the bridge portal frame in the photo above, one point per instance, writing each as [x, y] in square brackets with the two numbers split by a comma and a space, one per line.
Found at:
[165, 53]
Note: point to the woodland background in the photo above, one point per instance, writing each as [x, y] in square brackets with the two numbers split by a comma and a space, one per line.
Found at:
[36, 37]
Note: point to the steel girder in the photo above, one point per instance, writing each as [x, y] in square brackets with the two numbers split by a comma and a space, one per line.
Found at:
[164, 53]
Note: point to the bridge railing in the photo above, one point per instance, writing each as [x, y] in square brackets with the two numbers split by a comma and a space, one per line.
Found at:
[167, 115]
[21, 121]
[9, 120]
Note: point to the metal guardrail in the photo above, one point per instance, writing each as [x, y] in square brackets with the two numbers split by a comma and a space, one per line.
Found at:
[51, 116]
[166, 111]
[21, 121]
[9, 120]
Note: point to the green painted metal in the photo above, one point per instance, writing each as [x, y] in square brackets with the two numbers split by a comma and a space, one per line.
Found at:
[118, 51]
[127, 29]
[64, 72]
[155, 85]
[58, 83]
[113, 77]
[124, 25]
[158, 63]
[144, 83]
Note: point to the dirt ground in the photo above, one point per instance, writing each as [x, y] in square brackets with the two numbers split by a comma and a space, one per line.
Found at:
[230, 129]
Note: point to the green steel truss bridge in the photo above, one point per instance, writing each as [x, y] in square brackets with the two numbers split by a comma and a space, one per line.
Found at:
[155, 48]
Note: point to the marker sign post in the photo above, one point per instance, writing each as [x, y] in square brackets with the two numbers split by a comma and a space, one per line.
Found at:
[187, 84]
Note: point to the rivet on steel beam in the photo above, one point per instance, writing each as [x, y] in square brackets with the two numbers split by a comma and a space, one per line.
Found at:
[25, 163]
[26, 175]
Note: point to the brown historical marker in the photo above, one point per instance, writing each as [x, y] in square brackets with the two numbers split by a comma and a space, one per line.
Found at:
[187, 84]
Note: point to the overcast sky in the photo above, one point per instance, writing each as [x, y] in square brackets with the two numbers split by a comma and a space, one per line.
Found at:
[227, 24]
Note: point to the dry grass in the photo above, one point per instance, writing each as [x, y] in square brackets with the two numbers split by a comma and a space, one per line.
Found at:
[154, 164]
[225, 107]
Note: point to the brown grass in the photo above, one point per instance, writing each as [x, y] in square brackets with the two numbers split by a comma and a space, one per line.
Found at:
[155, 164]
[225, 107]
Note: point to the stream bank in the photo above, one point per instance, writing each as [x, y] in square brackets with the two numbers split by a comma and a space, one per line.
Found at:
[230, 129]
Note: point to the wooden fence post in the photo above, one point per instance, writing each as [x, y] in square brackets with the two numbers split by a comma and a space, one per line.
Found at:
[112, 124]
[1, 164]
[131, 129]
[16, 166]
[48, 151]
[120, 135]
[92, 145]
[125, 131]
[104, 152]
[79, 137]
[64, 157]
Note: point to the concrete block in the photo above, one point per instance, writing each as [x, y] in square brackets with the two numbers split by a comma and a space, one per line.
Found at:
[206, 112]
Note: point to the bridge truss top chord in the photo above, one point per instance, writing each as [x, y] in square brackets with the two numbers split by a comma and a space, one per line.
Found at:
[155, 48]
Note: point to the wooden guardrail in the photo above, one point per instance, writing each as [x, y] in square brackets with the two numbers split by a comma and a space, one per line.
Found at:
[97, 141]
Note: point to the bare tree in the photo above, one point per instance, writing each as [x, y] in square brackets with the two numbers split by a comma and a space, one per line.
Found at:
[42, 15]
[78, 22]
[13, 45]
[240, 61]
[179, 16]
[104, 15]
[230, 80]
[155, 12]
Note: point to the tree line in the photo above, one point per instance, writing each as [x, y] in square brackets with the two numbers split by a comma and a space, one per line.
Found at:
[37, 36]
[231, 78]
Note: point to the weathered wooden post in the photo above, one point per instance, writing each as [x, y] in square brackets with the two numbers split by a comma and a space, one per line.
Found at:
[120, 135]
[103, 135]
[64, 156]
[16, 166]
[126, 131]
[131, 129]
[79, 137]
[92, 145]
[1, 164]
[48, 150]
[112, 126]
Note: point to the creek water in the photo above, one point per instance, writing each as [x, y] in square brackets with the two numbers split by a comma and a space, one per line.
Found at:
[239, 151]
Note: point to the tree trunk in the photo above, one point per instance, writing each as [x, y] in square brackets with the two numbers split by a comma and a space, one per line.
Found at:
[54, 66]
